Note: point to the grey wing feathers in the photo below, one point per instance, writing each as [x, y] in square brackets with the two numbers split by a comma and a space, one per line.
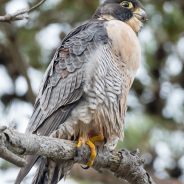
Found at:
[63, 83]
[62, 86]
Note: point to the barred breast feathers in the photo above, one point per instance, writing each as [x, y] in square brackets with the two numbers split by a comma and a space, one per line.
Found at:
[110, 75]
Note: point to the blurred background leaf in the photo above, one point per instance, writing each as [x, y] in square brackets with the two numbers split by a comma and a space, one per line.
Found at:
[155, 118]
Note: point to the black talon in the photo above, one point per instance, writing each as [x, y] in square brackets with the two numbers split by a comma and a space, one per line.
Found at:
[85, 168]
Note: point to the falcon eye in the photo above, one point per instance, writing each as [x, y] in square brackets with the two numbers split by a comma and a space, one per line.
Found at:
[127, 4]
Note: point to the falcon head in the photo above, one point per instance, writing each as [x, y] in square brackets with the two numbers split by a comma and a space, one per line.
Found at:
[129, 11]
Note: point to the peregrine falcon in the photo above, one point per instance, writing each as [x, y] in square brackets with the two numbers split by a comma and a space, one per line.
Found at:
[83, 95]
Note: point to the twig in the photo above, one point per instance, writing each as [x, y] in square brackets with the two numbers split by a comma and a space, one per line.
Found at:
[124, 164]
[36, 6]
[21, 14]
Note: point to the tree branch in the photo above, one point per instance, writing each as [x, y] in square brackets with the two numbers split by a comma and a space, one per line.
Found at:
[21, 14]
[124, 164]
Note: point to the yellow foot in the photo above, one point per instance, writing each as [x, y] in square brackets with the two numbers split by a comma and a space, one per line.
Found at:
[93, 153]
[91, 143]
[80, 142]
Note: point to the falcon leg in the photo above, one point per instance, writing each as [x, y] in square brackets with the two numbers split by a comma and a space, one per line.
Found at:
[91, 143]
[98, 138]
[80, 142]
[93, 153]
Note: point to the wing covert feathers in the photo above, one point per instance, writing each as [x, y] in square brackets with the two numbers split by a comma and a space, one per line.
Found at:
[65, 76]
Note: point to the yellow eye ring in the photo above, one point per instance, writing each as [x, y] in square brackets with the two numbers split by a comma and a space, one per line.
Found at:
[127, 4]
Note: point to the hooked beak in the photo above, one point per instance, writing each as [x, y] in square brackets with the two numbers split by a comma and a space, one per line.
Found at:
[141, 15]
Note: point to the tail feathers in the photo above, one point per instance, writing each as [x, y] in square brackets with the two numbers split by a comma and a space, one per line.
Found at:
[41, 175]
[49, 172]
[31, 160]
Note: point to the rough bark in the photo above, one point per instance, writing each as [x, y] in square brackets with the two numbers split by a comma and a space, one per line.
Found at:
[103, 177]
[124, 164]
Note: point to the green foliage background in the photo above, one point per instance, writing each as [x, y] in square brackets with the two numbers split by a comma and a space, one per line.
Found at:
[155, 118]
